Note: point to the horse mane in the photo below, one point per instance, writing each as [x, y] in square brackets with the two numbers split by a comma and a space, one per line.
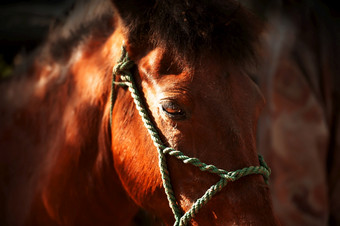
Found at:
[85, 20]
[191, 30]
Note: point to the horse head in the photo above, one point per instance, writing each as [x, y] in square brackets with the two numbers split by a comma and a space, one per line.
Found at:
[190, 63]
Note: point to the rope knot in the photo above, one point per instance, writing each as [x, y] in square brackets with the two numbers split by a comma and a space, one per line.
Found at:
[123, 67]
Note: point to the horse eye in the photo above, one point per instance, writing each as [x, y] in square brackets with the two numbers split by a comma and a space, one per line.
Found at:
[173, 110]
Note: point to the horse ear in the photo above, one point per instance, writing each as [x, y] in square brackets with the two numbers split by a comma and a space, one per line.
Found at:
[132, 10]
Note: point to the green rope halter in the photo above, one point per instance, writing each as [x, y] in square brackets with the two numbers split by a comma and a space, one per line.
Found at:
[123, 69]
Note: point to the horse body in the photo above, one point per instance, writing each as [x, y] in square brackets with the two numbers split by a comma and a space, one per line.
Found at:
[61, 162]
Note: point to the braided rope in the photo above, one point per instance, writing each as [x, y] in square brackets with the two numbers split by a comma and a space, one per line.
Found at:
[123, 69]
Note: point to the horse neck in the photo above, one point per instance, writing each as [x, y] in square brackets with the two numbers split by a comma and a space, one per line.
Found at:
[54, 130]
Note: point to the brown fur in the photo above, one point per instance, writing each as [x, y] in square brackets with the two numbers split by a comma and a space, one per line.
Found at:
[60, 163]
[192, 29]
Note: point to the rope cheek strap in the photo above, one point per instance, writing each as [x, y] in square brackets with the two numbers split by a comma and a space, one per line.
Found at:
[123, 69]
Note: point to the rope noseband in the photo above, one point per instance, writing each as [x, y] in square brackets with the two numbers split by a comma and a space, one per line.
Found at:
[126, 79]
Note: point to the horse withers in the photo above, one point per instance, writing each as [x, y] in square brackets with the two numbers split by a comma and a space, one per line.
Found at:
[64, 162]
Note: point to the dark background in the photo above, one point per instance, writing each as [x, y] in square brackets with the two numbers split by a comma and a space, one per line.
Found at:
[25, 24]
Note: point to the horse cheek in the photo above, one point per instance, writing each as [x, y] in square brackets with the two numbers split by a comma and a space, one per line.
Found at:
[134, 156]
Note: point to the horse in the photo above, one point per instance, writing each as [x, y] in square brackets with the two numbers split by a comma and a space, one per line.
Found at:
[75, 149]
[299, 126]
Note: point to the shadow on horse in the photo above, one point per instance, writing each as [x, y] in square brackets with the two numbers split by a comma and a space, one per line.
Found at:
[299, 129]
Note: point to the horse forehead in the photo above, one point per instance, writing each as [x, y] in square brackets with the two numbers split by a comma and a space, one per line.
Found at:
[206, 72]
[151, 63]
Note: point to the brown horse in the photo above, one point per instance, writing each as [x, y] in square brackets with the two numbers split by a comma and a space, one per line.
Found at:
[63, 164]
